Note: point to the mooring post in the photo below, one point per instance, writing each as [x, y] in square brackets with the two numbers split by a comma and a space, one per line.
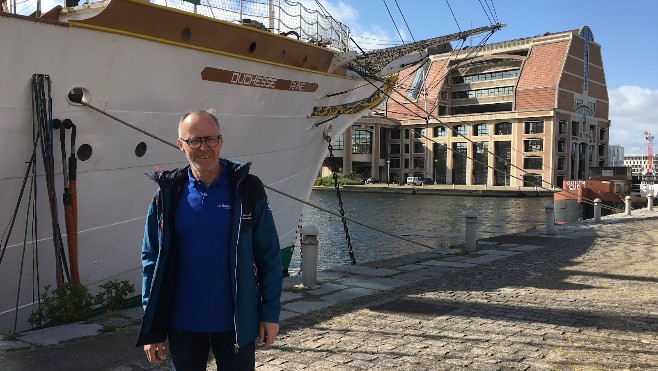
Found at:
[310, 256]
[627, 201]
[549, 209]
[650, 202]
[597, 210]
[471, 230]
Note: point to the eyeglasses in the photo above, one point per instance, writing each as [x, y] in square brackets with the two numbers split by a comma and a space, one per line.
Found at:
[195, 143]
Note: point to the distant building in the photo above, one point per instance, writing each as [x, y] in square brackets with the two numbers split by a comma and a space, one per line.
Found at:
[524, 112]
[638, 163]
[616, 155]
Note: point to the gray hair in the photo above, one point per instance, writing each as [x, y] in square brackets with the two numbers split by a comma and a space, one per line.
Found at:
[210, 112]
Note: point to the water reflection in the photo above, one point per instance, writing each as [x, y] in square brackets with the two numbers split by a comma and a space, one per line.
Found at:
[433, 220]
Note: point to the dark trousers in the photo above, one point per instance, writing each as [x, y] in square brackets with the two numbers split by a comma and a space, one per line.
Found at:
[189, 351]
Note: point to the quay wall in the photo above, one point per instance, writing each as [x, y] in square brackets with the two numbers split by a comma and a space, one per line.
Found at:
[446, 190]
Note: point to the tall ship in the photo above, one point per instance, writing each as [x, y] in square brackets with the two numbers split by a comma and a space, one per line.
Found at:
[90, 99]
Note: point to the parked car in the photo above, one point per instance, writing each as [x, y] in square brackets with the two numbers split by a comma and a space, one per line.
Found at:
[414, 180]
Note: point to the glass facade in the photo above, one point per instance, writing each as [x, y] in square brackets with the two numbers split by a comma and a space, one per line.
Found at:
[459, 153]
[361, 142]
[503, 128]
[467, 79]
[480, 162]
[440, 163]
[503, 153]
[534, 127]
[483, 93]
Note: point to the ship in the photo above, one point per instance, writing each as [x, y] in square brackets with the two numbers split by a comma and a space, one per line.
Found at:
[90, 98]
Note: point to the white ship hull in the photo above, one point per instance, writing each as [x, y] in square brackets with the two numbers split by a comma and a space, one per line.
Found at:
[148, 84]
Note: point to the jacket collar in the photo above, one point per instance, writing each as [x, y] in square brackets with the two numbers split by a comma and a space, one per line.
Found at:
[235, 171]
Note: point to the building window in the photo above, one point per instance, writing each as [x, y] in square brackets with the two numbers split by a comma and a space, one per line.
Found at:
[532, 180]
[602, 134]
[395, 163]
[481, 129]
[406, 148]
[419, 147]
[395, 148]
[459, 129]
[575, 128]
[561, 145]
[419, 163]
[439, 131]
[504, 128]
[561, 161]
[419, 133]
[533, 145]
[534, 163]
[395, 133]
[560, 181]
[563, 127]
[418, 80]
[483, 93]
[361, 142]
[443, 95]
[534, 127]
[406, 133]
[467, 79]
[339, 143]
[406, 163]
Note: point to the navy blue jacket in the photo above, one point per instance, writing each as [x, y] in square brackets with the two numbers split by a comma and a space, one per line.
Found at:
[255, 260]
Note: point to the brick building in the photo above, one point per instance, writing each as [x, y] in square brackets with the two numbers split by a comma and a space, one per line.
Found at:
[531, 111]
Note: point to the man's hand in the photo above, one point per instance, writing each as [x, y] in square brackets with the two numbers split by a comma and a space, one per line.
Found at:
[267, 333]
[155, 353]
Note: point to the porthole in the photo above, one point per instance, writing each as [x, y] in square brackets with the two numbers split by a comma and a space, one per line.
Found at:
[186, 34]
[140, 150]
[78, 95]
[84, 152]
[252, 47]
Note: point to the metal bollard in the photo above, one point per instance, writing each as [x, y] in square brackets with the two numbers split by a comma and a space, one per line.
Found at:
[471, 230]
[650, 202]
[597, 210]
[627, 201]
[550, 218]
[309, 256]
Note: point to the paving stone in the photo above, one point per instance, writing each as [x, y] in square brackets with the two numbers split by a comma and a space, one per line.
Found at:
[348, 294]
[370, 283]
[444, 263]
[365, 270]
[54, 335]
[289, 296]
[325, 288]
[498, 252]
[305, 306]
[483, 259]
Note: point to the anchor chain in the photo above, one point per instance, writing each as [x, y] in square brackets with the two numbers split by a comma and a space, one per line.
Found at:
[334, 173]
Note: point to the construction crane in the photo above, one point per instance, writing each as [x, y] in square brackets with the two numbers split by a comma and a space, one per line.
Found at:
[649, 137]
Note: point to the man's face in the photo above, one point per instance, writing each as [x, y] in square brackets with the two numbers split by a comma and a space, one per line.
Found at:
[204, 158]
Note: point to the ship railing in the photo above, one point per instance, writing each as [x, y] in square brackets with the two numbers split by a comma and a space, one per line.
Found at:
[278, 16]
[283, 17]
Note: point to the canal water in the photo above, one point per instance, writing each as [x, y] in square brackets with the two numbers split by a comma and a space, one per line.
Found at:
[434, 220]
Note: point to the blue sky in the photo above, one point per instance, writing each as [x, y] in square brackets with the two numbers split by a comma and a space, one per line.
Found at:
[626, 31]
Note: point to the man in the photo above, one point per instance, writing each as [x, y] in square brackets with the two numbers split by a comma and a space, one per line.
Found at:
[211, 258]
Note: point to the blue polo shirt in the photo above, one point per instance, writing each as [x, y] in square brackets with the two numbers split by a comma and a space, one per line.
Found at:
[203, 297]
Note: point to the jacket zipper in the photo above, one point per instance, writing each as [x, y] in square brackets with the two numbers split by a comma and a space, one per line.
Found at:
[235, 295]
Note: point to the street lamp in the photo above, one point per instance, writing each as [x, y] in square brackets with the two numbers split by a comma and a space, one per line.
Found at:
[388, 172]
[436, 161]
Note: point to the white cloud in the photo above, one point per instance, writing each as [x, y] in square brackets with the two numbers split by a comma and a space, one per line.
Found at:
[632, 111]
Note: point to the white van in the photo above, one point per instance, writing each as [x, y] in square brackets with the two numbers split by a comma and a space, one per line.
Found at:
[414, 180]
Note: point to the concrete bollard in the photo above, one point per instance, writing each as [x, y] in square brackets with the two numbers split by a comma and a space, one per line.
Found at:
[650, 202]
[471, 230]
[309, 256]
[550, 218]
[627, 201]
[597, 210]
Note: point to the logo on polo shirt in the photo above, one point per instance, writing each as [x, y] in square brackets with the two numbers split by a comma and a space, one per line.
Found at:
[224, 206]
[246, 216]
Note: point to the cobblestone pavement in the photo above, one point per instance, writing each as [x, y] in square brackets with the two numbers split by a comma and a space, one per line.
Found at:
[588, 302]
[585, 298]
